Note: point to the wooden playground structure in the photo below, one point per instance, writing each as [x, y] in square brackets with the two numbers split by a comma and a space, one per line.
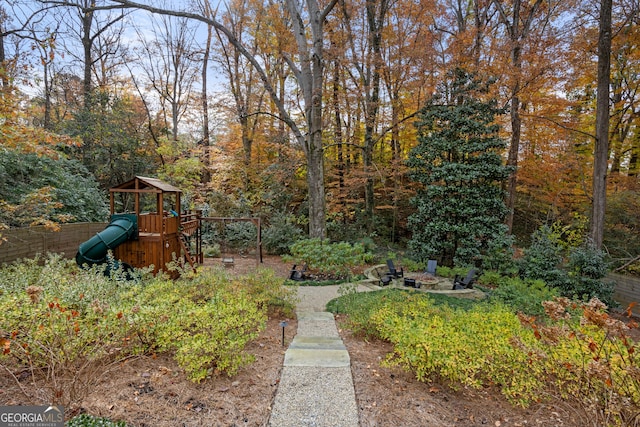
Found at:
[148, 227]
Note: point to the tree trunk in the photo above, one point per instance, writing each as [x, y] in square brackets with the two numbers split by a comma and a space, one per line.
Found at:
[206, 139]
[247, 142]
[512, 159]
[338, 137]
[309, 79]
[47, 95]
[600, 156]
[517, 27]
[375, 21]
[174, 120]
[315, 174]
[516, 129]
[634, 161]
[87, 43]
[4, 79]
[315, 181]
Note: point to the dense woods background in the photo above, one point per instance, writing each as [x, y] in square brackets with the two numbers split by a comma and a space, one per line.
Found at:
[306, 113]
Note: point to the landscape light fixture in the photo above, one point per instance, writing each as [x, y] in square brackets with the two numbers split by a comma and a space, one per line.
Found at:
[283, 324]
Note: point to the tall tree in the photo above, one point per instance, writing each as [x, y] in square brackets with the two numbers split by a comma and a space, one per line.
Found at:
[89, 23]
[170, 67]
[204, 99]
[601, 151]
[245, 20]
[95, 19]
[307, 26]
[368, 63]
[519, 18]
[460, 209]
[46, 48]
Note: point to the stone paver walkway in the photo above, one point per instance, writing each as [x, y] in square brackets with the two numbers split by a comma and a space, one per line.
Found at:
[316, 386]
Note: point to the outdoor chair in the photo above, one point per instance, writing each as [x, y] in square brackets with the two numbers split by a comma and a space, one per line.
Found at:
[466, 282]
[393, 271]
[297, 274]
[432, 264]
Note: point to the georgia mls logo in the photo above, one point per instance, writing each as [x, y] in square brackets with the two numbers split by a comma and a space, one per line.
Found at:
[31, 416]
[55, 410]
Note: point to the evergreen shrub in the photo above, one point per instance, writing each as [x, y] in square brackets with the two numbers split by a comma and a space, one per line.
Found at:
[576, 271]
[459, 166]
[281, 233]
[522, 296]
[544, 259]
[326, 257]
[240, 236]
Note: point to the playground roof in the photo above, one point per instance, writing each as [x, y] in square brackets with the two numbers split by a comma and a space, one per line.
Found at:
[145, 183]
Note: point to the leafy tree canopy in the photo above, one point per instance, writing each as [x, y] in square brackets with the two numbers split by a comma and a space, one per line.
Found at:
[39, 190]
[116, 142]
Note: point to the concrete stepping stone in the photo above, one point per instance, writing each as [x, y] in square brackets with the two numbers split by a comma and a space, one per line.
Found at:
[317, 343]
[327, 352]
[316, 386]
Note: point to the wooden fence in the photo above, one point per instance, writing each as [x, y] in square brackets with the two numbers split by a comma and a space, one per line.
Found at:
[30, 241]
[627, 289]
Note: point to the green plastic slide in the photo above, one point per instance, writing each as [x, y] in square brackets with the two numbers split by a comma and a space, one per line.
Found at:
[120, 229]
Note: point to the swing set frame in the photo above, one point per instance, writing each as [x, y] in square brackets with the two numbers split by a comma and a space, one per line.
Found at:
[228, 261]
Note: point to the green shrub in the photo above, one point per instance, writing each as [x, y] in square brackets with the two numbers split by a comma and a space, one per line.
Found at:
[328, 258]
[587, 267]
[524, 296]
[577, 351]
[211, 337]
[490, 278]
[590, 356]
[68, 327]
[368, 243]
[240, 236]
[205, 318]
[451, 272]
[38, 189]
[267, 290]
[499, 255]
[464, 347]
[281, 233]
[411, 265]
[86, 420]
[444, 271]
[363, 305]
[543, 259]
[211, 250]
[577, 278]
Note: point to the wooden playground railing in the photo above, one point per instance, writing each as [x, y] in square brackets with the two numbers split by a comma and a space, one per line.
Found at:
[190, 223]
[191, 236]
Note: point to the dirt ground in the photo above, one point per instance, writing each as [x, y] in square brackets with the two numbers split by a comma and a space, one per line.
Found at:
[154, 392]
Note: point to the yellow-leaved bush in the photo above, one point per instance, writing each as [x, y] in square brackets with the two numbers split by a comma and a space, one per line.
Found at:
[67, 327]
[578, 351]
[465, 347]
[207, 318]
[588, 354]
